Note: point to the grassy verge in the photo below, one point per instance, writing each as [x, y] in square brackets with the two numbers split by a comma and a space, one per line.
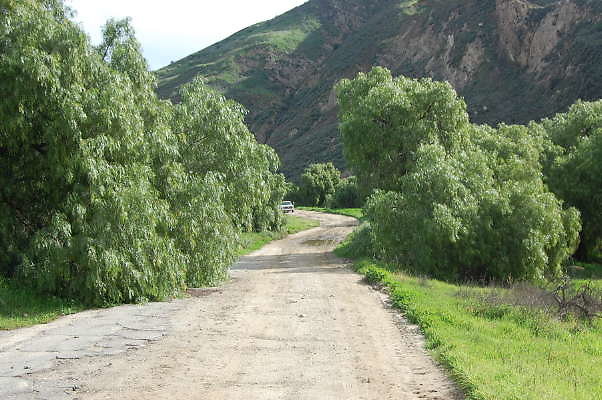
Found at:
[494, 350]
[587, 274]
[21, 307]
[350, 212]
[252, 241]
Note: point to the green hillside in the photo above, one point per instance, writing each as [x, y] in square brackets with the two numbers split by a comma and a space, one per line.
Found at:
[512, 60]
[220, 62]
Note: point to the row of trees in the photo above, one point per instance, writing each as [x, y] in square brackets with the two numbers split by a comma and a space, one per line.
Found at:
[463, 201]
[108, 194]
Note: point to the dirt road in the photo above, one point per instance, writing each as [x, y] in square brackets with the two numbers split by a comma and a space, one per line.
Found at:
[293, 323]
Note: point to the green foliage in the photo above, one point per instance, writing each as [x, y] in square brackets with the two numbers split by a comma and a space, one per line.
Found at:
[266, 212]
[359, 244]
[20, 307]
[374, 276]
[453, 200]
[384, 121]
[293, 193]
[215, 139]
[347, 194]
[496, 350]
[318, 184]
[75, 167]
[108, 194]
[574, 170]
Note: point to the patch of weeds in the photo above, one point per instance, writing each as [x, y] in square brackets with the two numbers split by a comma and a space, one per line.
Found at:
[21, 306]
[374, 276]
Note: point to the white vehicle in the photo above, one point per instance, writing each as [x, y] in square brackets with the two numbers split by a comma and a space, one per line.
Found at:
[287, 206]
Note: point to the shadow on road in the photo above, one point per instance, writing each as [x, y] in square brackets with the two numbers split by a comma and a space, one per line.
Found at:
[318, 262]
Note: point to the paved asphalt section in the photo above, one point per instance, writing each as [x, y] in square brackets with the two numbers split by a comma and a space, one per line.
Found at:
[293, 322]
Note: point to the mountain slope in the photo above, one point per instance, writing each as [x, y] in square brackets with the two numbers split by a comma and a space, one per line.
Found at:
[513, 61]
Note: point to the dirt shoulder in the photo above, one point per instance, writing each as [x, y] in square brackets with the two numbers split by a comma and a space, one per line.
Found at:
[293, 323]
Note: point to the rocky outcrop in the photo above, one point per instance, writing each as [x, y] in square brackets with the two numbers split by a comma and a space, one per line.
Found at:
[529, 33]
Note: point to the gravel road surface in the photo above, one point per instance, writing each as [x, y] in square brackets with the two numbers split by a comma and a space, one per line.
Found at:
[293, 323]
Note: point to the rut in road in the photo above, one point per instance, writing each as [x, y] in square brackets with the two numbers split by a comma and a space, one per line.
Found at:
[293, 323]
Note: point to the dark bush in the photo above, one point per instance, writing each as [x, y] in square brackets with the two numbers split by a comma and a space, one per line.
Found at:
[346, 194]
[574, 169]
[318, 184]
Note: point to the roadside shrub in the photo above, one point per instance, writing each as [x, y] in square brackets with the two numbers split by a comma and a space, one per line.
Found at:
[359, 243]
[267, 214]
[346, 194]
[383, 121]
[78, 209]
[374, 276]
[465, 202]
[453, 219]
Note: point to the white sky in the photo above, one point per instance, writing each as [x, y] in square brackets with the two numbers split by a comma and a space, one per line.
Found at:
[170, 30]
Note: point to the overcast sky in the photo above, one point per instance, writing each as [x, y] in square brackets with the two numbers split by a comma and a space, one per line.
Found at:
[172, 29]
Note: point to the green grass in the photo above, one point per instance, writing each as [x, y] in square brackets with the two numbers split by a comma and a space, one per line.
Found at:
[591, 274]
[221, 63]
[589, 271]
[350, 212]
[494, 350]
[252, 241]
[20, 307]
